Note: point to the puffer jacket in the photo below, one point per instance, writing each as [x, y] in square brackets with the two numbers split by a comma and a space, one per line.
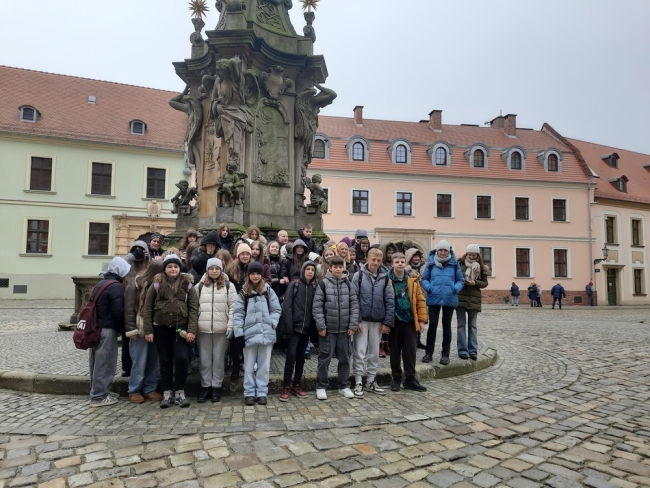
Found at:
[514, 291]
[134, 300]
[376, 300]
[109, 308]
[336, 310]
[256, 323]
[442, 285]
[182, 311]
[216, 306]
[532, 292]
[298, 303]
[470, 296]
[558, 291]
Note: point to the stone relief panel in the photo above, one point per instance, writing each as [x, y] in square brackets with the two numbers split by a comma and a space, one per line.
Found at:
[272, 139]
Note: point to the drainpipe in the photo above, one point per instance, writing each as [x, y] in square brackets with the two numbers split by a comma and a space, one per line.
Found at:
[592, 266]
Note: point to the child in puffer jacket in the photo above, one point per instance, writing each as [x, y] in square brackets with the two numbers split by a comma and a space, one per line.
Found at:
[256, 316]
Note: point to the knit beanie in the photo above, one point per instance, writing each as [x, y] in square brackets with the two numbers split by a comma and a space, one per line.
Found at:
[156, 235]
[171, 258]
[255, 267]
[408, 244]
[443, 244]
[214, 262]
[243, 247]
[347, 240]
[473, 248]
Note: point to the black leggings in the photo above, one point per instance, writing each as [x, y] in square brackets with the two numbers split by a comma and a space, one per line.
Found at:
[173, 353]
[295, 356]
[434, 314]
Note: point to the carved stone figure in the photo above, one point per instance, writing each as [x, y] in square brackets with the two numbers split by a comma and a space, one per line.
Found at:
[194, 109]
[230, 185]
[275, 83]
[318, 197]
[184, 196]
[233, 95]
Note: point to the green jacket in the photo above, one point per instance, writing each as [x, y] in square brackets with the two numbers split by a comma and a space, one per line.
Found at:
[470, 296]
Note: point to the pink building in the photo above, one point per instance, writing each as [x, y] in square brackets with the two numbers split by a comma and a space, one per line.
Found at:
[524, 196]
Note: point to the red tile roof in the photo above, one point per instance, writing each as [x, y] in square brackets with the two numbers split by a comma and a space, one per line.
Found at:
[630, 164]
[381, 132]
[65, 112]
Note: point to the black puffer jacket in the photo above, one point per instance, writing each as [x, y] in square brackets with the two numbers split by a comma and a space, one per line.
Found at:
[287, 265]
[200, 257]
[309, 242]
[110, 304]
[298, 303]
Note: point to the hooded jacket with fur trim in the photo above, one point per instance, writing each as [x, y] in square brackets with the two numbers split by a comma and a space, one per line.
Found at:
[181, 311]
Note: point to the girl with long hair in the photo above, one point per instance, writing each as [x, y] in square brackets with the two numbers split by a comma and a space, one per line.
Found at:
[190, 236]
[274, 261]
[469, 301]
[292, 265]
[257, 255]
[237, 272]
[324, 266]
[253, 233]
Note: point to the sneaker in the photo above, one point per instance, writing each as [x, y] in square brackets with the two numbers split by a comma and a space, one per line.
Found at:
[109, 400]
[321, 394]
[347, 393]
[261, 400]
[444, 360]
[413, 384]
[374, 387]
[358, 390]
[463, 356]
[249, 400]
[427, 358]
[394, 386]
[167, 399]
[284, 396]
[298, 391]
[180, 399]
[114, 394]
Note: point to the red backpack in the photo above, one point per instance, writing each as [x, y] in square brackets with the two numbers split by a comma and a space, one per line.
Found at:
[87, 334]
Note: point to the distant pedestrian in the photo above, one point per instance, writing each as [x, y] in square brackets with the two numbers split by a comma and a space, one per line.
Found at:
[590, 294]
[469, 302]
[539, 295]
[558, 293]
[532, 294]
[514, 294]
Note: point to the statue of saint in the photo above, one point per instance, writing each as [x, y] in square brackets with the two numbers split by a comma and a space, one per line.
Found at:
[317, 197]
[194, 109]
[184, 195]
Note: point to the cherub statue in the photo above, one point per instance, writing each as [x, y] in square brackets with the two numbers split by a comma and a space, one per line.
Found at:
[184, 196]
[231, 182]
[317, 197]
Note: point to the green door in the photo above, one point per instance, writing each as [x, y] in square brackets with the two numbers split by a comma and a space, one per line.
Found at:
[611, 286]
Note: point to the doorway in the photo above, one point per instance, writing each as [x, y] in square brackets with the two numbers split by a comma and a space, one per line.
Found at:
[611, 286]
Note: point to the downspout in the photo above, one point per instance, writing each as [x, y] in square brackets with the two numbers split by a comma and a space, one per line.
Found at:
[592, 267]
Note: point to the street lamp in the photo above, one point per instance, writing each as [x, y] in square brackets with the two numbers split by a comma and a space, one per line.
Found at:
[605, 253]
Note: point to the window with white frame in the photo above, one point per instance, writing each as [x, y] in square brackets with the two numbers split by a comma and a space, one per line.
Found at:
[400, 154]
[101, 179]
[41, 173]
[484, 206]
[637, 232]
[358, 148]
[444, 205]
[487, 258]
[37, 239]
[28, 114]
[138, 127]
[360, 201]
[156, 183]
[523, 262]
[403, 203]
[639, 282]
[560, 263]
[98, 238]
[610, 230]
[522, 208]
[560, 213]
[551, 159]
[400, 151]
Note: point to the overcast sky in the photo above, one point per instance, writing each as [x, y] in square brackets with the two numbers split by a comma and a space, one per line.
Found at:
[583, 66]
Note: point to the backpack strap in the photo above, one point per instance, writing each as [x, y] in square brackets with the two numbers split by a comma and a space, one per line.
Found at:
[200, 287]
[94, 296]
[156, 285]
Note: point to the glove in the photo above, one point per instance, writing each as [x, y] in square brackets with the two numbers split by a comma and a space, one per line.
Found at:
[229, 334]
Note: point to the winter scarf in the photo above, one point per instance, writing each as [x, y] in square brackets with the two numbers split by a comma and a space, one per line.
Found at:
[473, 269]
[440, 262]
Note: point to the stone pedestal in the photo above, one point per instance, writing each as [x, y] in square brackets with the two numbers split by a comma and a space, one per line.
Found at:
[83, 286]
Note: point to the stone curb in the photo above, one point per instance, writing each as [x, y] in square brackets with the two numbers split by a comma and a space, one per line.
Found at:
[80, 385]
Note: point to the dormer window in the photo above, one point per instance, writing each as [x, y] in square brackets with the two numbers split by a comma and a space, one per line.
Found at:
[400, 151]
[358, 148]
[620, 183]
[477, 156]
[551, 159]
[478, 159]
[440, 153]
[400, 154]
[515, 158]
[28, 114]
[138, 127]
[611, 160]
[321, 149]
[552, 163]
[358, 152]
[515, 161]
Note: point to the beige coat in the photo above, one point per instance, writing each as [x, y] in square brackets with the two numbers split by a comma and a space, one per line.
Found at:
[216, 307]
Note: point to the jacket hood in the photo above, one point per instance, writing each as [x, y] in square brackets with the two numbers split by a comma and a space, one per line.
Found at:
[186, 277]
[360, 233]
[412, 252]
[302, 270]
[118, 266]
[212, 238]
[300, 242]
[141, 244]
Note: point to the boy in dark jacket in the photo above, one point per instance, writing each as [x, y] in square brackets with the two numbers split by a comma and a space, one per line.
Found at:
[336, 313]
[109, 310]
[305, 235]
[298, 323]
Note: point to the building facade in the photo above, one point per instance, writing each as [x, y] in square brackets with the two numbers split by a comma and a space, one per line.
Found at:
[88, 166]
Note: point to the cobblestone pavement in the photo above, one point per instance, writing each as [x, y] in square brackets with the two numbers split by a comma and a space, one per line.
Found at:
[567, 405]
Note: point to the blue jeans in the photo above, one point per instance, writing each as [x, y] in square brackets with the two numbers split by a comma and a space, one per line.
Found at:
[257, 385]
[144, 372]
[466, 331]
[515, 300]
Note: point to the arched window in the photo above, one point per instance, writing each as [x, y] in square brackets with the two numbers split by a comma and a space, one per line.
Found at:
[358, 152]
[400, 154]
[28, 114]
[441, 156]
[552, 162]
[479, 159]
[515, 160]
[138, 127]
[319, 149]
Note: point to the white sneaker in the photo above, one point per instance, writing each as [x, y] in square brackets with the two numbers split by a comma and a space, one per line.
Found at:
[374, 387]
[347, 393]
[358, 390]
[321, 394]
[109, 400]
[114, 394]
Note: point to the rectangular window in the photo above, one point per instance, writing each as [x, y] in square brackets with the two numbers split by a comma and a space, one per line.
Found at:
[483, 207]
[443, 205]
[638, 281]
[610, 230]
[98, 238]
[38, 232]
[636, 232]
[156, 183]
[559, 210]
[404, 202]
[102, 175]
[486, 257]
[560, 263]
[41, 174]
[521, 208]
[523, 262]
[360, 201]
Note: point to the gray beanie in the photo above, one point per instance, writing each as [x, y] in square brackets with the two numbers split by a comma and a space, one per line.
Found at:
[214, 262]
[473, 248]
[443, 244]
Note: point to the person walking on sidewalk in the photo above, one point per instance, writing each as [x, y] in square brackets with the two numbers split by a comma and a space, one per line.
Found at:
[410, 316]
[558, 293]
[371, 284]
[514, 294]
[442, 280]
[469, 302]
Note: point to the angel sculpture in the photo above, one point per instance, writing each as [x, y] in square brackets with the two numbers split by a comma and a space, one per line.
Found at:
[184, 196]
[317, 197]
[231, 182]
[193, 107]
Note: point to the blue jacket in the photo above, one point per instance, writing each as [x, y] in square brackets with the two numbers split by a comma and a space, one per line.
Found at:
[442, 285]
[257, 324]
[558, 291]
[375, 295]
[514, 291]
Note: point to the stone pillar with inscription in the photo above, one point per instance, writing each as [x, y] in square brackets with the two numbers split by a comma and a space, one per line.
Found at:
[252, 98]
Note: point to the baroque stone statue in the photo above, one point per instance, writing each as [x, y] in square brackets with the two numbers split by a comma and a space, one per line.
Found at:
[194, 109]
[230, 185]
[317, 197]
[183, 197]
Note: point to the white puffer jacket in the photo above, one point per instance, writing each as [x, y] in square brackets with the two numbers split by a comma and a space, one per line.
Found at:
[216, 307]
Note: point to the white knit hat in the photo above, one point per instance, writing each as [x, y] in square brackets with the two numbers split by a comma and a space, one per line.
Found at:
[214, 262]
[443, 244]
[473, 248]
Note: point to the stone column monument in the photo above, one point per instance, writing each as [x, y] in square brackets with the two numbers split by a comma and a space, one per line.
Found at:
[253, 96]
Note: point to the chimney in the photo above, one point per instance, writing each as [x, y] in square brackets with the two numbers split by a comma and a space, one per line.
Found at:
[435, 120]
[498, 122]
[358, 115]
[510, 127]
